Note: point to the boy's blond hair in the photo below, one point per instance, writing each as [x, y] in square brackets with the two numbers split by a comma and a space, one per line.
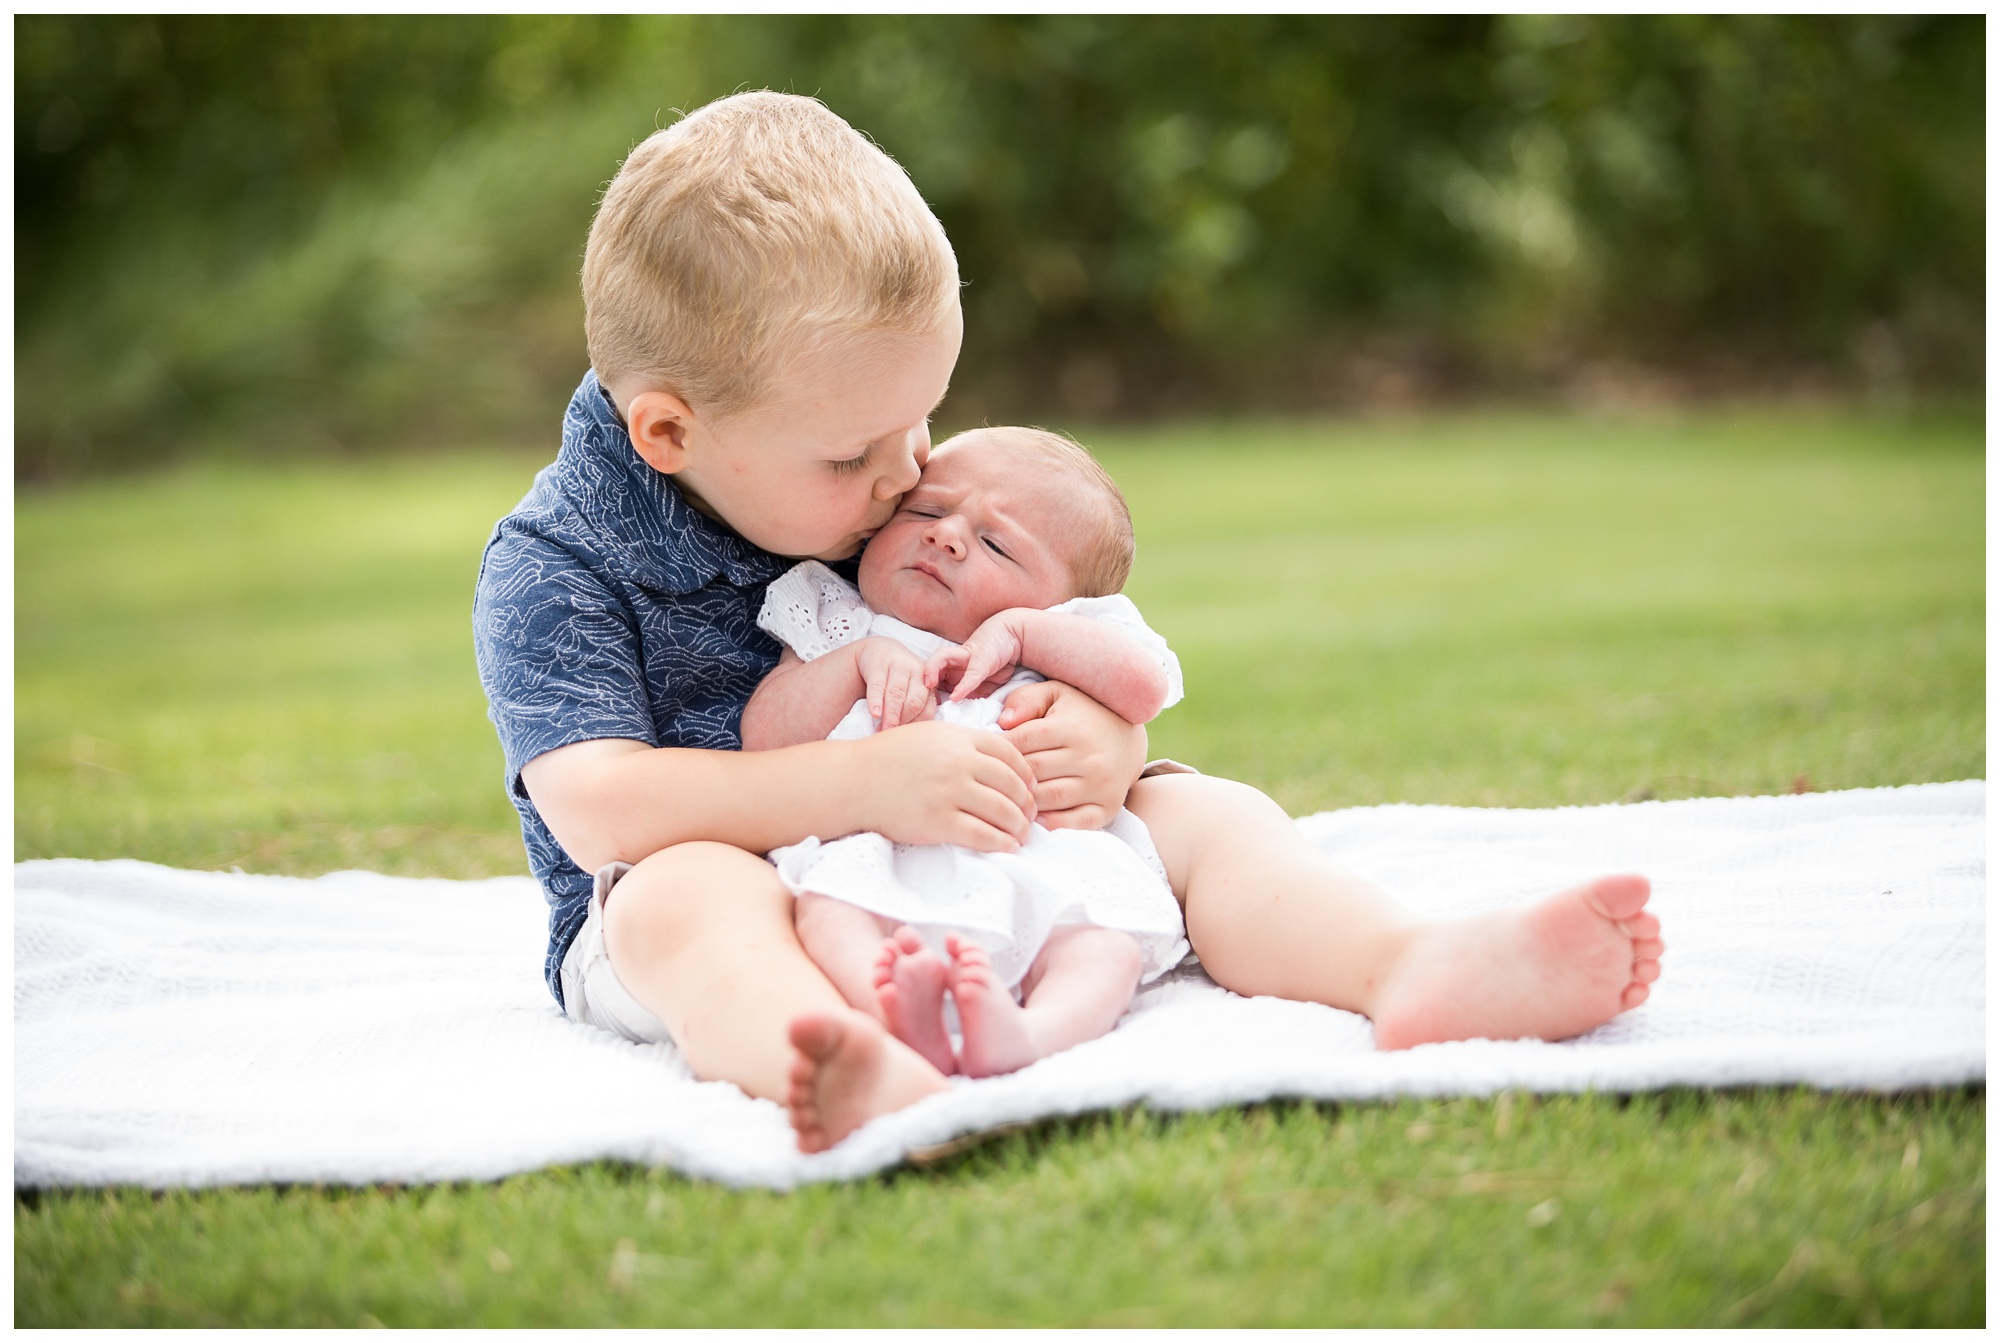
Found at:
[754, 223]
[1101, 559]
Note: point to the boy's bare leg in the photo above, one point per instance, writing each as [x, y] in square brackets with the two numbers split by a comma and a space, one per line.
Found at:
[1269, 915]
[702, 934]
[1078, 987]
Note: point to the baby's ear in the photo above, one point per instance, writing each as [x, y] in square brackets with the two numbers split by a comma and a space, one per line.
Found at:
[658, 423]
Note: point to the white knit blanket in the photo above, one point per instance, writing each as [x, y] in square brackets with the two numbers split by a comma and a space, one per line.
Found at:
[196, 1028]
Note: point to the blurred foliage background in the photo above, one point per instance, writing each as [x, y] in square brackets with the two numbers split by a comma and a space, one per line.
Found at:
[240, 234]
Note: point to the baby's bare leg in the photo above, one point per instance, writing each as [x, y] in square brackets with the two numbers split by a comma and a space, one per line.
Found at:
[1078, 987]
[844, 941]
[1270, 915]
[882, 969]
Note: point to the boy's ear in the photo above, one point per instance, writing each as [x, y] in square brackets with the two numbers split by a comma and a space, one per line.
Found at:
[659, 423]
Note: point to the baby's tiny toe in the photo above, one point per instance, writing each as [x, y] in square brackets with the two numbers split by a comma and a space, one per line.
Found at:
[1634, 995]
[1645, 972]
[1648, 949]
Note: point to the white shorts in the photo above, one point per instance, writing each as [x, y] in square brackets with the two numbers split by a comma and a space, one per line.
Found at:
[591, 991]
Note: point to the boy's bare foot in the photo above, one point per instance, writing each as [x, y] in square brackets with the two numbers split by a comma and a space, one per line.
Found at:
[909, 986]
[847, 1071]
[996, 1037]
[1547, 972]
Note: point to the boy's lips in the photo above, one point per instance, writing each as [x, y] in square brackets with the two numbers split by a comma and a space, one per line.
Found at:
[930, 571]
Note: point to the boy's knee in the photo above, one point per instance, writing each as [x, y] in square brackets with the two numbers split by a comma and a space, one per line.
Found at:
[672, 898]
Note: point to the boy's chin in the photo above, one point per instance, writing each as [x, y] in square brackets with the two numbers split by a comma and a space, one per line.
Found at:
[846, 550]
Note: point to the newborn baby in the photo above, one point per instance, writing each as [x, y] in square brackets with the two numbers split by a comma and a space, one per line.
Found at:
[1000, 567]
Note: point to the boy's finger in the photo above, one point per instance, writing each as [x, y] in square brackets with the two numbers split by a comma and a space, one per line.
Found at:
[977, 835]
[1035, 735]
[999, 748]
[999, 811]
[1088, 817]
[1028, 703]
[1019, 793]
[1061, 794]
[1014, 798]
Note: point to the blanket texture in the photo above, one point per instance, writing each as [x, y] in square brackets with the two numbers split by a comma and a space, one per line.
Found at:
[198, 1028]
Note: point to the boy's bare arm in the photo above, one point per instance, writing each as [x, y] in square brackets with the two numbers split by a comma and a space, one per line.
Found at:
[927, 783]
[1101, 660]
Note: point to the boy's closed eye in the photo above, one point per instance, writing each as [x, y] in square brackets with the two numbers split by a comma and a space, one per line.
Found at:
[851, 465]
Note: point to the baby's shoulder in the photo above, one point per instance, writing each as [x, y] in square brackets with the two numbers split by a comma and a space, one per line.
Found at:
[812, 610]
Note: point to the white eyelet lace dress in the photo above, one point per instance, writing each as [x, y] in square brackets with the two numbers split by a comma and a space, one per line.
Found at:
[1007, 903]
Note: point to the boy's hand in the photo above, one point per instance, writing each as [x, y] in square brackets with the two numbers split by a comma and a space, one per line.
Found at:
[899, 686]
[983, 662]
[940, 783]
[1084, 757]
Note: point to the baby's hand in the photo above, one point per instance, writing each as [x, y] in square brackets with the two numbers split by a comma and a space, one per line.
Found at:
[983, 662]
[898, 690]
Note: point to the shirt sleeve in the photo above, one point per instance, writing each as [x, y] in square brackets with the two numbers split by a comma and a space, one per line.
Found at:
[559, 652]
[1118, 611]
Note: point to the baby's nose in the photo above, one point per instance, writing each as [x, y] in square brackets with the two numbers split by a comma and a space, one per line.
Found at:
[947, 535]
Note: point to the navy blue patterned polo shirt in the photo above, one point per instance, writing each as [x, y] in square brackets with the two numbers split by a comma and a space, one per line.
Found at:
[608, 607]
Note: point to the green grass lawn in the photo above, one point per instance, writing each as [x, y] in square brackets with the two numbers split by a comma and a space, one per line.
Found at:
[271, 668]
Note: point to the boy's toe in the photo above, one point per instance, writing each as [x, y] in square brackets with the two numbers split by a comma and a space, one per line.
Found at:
[1644, 924]
[1621, 897]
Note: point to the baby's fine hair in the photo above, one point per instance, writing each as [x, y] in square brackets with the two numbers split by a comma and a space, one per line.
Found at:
[1102, 560]
[751, 225]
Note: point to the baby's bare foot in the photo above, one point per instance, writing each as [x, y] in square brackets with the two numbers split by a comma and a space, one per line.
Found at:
[845, 1072]
[909, 986]
[1550, 971]
[994, 1027]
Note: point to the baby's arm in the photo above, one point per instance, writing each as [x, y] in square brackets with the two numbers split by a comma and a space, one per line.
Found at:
[1097, 658]
[801, 701]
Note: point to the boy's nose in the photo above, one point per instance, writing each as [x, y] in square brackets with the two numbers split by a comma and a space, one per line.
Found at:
[901, 474]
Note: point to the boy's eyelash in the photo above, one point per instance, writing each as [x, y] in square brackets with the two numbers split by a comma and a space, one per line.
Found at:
[850, 466]
[994, 547]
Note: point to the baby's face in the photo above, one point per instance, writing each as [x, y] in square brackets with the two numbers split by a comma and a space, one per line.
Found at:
[982, 531]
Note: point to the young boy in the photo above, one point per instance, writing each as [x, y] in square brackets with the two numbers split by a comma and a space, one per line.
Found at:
[772, 313]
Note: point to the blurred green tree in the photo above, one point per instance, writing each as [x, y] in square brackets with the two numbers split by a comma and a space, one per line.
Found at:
[295, 233]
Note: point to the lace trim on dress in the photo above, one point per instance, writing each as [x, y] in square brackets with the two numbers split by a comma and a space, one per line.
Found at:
[812, 610]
